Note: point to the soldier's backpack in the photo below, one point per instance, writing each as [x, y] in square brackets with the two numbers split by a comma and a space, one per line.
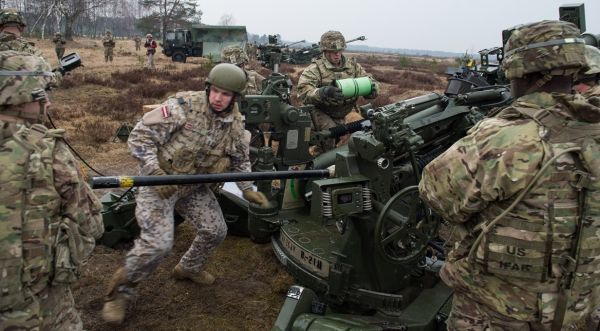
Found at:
[37, 247]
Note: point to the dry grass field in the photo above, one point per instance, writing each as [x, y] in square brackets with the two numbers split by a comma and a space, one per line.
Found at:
[95, 100]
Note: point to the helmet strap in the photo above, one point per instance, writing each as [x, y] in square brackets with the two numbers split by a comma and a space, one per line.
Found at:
[539, 83]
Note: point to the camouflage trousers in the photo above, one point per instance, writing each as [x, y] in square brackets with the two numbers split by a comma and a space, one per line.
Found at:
[150, 63]
[196, 204]
[323, 121]
[108, 54]
[59, 52]
[138, 46]
[469, 315]
[52, 309]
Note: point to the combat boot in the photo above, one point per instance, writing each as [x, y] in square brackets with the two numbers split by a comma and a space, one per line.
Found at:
[202, 277]
[116, 302]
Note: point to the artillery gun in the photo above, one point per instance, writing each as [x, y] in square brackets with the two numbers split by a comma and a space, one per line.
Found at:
[272, 54]
[306, 54]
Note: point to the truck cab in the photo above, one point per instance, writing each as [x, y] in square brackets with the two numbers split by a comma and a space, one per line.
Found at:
[202, 40]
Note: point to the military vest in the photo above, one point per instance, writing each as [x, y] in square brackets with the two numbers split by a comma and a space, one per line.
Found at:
[29, 204]
[197, 147]
[551, 236]
[336, 109]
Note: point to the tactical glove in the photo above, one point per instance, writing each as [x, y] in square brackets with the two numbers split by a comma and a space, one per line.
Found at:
[330, 92]
[164, 191]
[374, 92]
[256, 197]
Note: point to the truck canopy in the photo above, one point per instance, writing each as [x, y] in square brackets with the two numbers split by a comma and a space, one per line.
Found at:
[216, 37]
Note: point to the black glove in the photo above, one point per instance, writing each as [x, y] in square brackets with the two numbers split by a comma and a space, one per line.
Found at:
[330, 92]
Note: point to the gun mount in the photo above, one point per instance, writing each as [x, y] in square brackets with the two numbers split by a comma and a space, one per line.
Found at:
[272, 54]
[306, 54]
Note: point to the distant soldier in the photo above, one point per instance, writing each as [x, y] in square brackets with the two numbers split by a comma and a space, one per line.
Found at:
[109, 44]
[315, 84]
[12, 25]
[59, 45]
[150, 46]
[49, 216]
[138, 42]
[251, 50]
[235, 54]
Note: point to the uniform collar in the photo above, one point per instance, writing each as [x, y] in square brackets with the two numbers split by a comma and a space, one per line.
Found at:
[329, 65]
[571, 105]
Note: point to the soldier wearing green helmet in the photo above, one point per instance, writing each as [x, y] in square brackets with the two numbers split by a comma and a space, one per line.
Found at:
[235, 54]
[12, 25]
[109, 44]
[521, 189]
[59, 45]
[49, 216]
[192, 132]
[315, 84]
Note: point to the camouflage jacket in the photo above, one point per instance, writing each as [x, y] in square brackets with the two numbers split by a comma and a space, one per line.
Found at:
[59, 211]
[158, 131]
[480, 176]
[108, 42]
[11, 42]
[59, 42]
[255, 80]
[594, 91]
[321, 73]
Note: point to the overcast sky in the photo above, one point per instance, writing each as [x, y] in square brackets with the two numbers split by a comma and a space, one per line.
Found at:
[444, 25]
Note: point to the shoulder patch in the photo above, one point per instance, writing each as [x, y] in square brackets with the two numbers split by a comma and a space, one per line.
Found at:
[160, 114]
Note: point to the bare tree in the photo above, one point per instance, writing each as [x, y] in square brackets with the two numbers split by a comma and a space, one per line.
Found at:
[227, 19]
[171, 11]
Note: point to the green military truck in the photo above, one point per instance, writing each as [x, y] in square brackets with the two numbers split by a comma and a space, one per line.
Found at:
[202, 40]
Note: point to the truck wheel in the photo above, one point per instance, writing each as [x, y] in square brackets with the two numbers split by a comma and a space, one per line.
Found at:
[178, 57]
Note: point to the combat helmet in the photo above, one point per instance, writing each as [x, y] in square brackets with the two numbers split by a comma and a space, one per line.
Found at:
[551, 48]
[234, 54]
[592, 57]
[24, 78]
[10, 15]
[332, 41]
[228, 77]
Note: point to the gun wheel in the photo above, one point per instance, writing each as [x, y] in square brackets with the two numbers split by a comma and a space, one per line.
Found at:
[404, 227]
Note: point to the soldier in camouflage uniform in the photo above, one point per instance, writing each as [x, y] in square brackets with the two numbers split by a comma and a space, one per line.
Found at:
[522, 190]
[59, 45]
[190, 133]
[587, 83]
[315, 84]
[234, 54]
[49, 216]
[109, 44]
[138, 42]
[12, 25]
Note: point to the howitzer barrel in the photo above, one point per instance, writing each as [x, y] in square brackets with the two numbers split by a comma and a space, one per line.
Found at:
[361, 38]
[131, 181]
[294, 43]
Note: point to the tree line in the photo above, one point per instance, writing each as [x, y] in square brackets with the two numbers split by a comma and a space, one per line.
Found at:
[124, 18]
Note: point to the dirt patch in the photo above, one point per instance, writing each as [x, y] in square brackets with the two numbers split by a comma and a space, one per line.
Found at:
[251, 283]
